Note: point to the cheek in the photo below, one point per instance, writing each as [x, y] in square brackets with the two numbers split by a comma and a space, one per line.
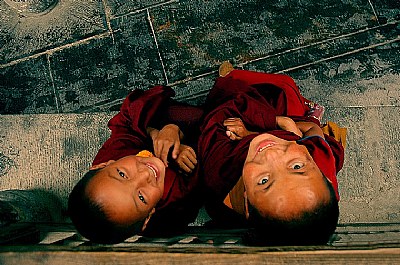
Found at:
[156, 196]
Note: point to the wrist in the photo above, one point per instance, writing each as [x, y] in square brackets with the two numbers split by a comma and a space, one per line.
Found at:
[175, 128]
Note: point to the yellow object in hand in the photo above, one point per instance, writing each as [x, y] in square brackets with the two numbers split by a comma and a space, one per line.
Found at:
[145, 153]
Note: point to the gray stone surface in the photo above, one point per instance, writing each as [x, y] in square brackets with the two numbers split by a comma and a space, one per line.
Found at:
[49, 152]
[368, 183]
[56, 149]
[96, 51]
[67, 22]
[85, 56]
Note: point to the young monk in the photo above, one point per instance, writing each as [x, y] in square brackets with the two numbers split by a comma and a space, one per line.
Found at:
[265, 160]
[143, 179]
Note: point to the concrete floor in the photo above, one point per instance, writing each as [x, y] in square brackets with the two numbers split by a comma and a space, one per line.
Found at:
[62, 72]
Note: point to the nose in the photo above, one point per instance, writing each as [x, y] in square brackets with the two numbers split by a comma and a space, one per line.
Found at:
[271, 155]
[145, 176]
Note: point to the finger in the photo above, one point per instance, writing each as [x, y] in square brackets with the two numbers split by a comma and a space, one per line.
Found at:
[184, 167]
[181, 163]
[189, 152]
[232, 120]
[192, 159]
[164, 153]
[188, 163]
[233, 136]
[156, 149]
[234, 129]
[175, 152]
[233, 123]
[192, 152]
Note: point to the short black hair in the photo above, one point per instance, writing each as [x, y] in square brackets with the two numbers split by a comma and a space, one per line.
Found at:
[91, 220]
[311, 227]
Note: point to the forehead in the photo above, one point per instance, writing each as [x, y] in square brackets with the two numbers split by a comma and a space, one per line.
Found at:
[293, 194]
[115, 200]
[104, 186]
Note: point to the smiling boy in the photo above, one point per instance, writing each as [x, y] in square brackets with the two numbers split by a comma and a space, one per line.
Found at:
[266, 162]
[143, 179]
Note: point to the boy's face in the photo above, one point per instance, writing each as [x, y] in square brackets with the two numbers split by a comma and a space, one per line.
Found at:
[128, 188]
[281, 178]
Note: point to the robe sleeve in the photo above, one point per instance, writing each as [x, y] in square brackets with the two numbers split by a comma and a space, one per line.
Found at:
[234, 98]
[293, 101]
[139, 110]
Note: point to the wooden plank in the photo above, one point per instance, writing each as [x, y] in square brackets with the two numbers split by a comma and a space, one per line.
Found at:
[359, 257]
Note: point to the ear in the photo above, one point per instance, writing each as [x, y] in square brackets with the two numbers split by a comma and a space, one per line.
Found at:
[148, 219]
[102, 165]
[246, 204]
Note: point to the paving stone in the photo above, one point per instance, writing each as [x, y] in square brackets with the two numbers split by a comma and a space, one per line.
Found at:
[121, 7]
[79, 58]
[195, 91]
[195, 36]
[368, 180]
[329, 49]
[364, 78]
[105, 69]
[387, 10]
[69, 21]
[27, 88]
[62, 147]
[50, 152]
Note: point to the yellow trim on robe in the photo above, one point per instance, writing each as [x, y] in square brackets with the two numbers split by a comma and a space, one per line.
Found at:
[235, 199]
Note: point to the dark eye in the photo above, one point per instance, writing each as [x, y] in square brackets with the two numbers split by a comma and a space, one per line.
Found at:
[122, 174]
[297, 166]
[142, 198]
[263, 180]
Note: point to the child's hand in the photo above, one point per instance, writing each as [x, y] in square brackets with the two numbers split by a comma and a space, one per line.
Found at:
[235, 129]
[187, 158]
[287, 124]
[169, 136]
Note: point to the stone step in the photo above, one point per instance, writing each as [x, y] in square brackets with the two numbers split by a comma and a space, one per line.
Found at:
[48, 153]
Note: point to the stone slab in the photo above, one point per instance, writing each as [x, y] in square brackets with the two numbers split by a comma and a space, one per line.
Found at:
[27, 87]
[55, 150]
[24, 35]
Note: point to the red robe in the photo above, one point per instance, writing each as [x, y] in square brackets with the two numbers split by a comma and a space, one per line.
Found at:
[155, 108]
[256, 98]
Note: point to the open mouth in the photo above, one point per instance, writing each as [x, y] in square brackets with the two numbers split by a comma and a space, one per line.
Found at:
[264, 145]
[153, 169]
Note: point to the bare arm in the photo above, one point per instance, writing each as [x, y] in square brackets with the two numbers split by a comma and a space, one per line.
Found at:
[309, 128]
[287, 124]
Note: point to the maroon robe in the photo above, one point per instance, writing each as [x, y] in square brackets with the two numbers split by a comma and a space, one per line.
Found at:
[256, 98]
[155, 108]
